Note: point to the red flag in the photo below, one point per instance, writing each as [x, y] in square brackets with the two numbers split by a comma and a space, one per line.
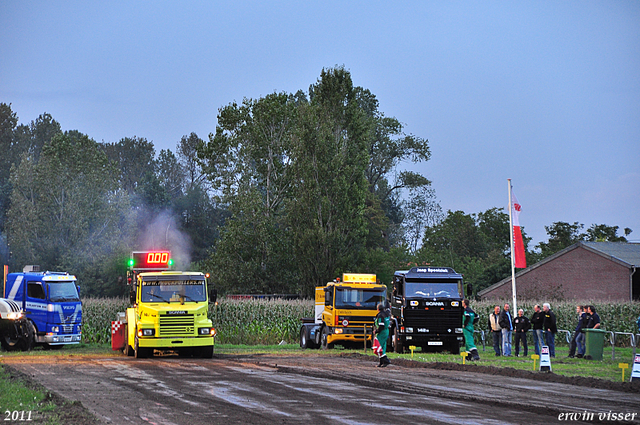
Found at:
[377, 349]
[519, 259]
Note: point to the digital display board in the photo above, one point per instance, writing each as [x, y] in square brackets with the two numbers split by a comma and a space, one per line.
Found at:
[150, 260]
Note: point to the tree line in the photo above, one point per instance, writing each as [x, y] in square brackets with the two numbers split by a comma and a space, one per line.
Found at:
[289, 191]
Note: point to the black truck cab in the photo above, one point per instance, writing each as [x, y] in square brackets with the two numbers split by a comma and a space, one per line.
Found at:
[426, 306]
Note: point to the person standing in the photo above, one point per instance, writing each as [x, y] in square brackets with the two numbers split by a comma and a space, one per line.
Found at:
[521, 325]
[506, 323]
[577, 341]
[593, 321]
[550, 328]
[496, 330]
[467, 330]
[536, 323]
[381, 324]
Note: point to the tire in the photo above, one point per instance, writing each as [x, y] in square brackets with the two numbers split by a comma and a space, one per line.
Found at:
[454, 347]
[141, 352]
[398, 346]
[10, 337]
[30, 337]
[304, 343]
[206, 352]
[324, 339]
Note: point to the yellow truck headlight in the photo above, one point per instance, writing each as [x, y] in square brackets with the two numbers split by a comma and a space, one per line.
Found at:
[14, 315]
[204, 331]
[146, 332]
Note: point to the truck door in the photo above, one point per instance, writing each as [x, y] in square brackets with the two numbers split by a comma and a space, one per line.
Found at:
[36, 302]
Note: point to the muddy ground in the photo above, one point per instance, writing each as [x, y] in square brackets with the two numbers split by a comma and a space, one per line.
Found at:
[307, 387]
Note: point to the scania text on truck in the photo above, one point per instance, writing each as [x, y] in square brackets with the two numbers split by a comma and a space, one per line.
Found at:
[51, 303]
[426, 308]
[343, 309]
[169, 310]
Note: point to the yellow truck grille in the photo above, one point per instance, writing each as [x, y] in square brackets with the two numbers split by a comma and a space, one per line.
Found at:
[177, 325]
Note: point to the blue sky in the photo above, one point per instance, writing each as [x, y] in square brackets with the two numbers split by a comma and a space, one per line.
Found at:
[546, 93]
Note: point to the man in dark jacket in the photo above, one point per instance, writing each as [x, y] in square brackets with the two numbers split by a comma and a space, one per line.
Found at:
[536, 324]
[550, 328]
[506, 323]
[577, 341]
[521, 326]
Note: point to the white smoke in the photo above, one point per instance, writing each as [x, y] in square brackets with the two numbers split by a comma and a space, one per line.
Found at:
[162, 233]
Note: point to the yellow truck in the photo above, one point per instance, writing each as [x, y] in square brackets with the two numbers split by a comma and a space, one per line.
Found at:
[343, 309]
[168, 313]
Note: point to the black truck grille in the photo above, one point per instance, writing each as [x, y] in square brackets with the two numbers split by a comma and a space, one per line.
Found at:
[436, 320]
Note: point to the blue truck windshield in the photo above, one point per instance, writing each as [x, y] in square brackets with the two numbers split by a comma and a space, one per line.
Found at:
[173, 291]
[63, 291]
[354, 298]
[431, 290]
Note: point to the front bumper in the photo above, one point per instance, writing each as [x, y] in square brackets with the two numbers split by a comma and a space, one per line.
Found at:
[170, 343]
[63, 339]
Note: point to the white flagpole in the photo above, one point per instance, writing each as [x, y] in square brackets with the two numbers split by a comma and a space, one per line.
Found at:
[513, 268]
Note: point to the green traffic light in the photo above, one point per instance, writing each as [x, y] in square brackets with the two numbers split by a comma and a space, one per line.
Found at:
[131, 262]
[170, 262]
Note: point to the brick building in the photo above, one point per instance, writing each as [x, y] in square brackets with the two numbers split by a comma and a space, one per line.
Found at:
[584, 271]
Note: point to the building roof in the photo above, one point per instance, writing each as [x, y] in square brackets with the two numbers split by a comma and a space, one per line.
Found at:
[623, 253]
[626, 252]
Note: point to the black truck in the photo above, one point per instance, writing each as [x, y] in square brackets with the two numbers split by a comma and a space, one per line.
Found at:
[426, 308]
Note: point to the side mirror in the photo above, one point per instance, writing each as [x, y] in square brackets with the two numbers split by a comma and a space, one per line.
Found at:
[78, 289]
[132, 296]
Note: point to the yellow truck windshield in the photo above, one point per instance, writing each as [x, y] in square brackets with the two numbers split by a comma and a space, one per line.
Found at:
[356, 298]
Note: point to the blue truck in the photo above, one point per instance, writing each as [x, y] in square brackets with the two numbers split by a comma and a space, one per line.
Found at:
[51, 304]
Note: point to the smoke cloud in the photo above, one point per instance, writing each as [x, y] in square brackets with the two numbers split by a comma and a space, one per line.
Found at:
[162, 233]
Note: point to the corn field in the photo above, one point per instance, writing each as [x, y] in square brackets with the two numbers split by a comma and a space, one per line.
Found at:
[248, 322]
[268, 322]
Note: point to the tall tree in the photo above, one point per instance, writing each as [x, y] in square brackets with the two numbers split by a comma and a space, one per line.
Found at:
[134, 157]
[247, 162]
[561, 235]
[327, 211]
[67, 212]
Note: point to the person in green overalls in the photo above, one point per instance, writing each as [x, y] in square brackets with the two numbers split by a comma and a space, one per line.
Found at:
[381, 324]
[467, 331]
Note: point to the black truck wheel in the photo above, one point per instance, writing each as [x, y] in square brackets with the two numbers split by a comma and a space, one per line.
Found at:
[141, 352]
[206, 352]
[127, 350]
[325, 339]
[398, 345]
[10, 336]
[304, 343]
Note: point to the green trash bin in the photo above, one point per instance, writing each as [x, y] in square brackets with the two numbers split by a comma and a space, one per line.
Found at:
[594, 343]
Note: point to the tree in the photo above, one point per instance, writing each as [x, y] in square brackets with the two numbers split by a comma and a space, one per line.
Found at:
[561, 235]
[604, 233]
[8, 123]
[188, 153]
[326, 211]
[134, 157]
[248, 162]
[67, 212]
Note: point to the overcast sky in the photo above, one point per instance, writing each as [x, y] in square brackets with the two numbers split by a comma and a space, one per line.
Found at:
[546, 93]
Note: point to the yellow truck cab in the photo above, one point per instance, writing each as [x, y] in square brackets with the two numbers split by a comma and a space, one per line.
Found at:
[343, 308]
[169, 312]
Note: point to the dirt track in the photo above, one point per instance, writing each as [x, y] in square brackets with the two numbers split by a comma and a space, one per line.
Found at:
[312, 388]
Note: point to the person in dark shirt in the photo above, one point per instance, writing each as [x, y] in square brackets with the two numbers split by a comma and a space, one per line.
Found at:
[593, 321]
[577, 341]
[536, 324]
[550, 328]
[521, 325]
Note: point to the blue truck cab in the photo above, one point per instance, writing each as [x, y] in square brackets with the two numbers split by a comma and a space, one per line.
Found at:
[51, 303]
